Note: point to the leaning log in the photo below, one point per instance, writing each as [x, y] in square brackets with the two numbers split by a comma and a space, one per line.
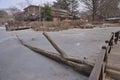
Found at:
[82, 68]
[62, 53]
[78, 67]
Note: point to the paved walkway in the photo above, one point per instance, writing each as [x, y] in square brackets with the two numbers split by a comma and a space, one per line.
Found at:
[114, 56]
[114, 62]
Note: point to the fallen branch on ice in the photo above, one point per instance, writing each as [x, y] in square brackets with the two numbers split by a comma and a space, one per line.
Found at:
[82, 68]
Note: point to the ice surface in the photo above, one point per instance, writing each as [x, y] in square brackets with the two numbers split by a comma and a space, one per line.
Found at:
[20, 63]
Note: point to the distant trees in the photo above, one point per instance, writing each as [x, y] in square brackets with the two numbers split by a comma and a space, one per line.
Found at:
[73, 8]
[13, 13]
[3, 14]
[13, 10]
[70, 5]
[62, 4]
[46, 12]
[101, 7]
[109, 8]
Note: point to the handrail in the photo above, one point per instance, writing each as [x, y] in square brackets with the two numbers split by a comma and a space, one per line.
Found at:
[98, 72]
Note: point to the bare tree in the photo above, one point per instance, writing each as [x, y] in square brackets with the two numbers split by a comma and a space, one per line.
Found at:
[3, 14]
[109, 8]
[13, 10]
[101, 7]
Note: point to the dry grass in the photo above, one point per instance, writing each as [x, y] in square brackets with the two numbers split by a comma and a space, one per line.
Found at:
[56, 26]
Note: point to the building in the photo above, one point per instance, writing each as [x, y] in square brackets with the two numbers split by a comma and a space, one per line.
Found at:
[88, 17]
[98, 18]
[32, 13]
[19, 16]
[113, 20]
[60, 14]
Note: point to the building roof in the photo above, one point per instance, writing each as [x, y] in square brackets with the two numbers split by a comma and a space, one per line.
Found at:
[31, 6]
[115, 18]
[60, 10]
[54, 9]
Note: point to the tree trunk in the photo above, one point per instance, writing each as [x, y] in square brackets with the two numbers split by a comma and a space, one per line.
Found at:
[94, 10]
[82, 68]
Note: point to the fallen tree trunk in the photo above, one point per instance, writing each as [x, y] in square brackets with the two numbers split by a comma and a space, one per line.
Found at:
[79, 67]
[82, 68]
[62, 53]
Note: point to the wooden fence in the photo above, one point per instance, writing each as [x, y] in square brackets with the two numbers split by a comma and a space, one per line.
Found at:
[99, 69]
[16, 26]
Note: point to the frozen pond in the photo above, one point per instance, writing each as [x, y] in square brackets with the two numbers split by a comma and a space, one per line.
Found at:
[20, 63]
[77, 43]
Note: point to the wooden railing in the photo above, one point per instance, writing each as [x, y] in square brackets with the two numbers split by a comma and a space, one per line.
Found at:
[99, 69]
[16, 26]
